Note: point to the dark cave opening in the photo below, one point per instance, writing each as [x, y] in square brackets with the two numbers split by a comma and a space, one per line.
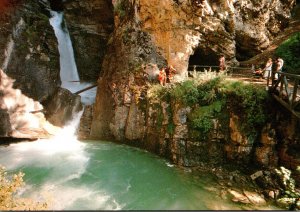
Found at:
[56, 5]
[204, 57]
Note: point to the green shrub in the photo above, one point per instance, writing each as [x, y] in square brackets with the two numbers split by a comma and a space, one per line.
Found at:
[202, 117]
[250, 101]
[208, 98]
[289, 51]
[8, 193]
[186, 92]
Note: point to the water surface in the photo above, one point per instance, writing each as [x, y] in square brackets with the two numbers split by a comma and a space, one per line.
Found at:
[102, 175]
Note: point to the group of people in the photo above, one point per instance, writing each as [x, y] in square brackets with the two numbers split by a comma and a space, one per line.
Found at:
[267, 70]
[165, 75]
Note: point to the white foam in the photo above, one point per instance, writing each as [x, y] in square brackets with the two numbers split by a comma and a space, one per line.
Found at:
[61, 197]
[68, 69]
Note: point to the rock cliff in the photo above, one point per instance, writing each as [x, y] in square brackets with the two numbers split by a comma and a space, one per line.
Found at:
[153, 34]
[21, 117]
[90, 23]
[30, 56]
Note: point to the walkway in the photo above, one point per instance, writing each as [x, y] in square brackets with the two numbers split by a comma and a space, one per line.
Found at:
[285, 90]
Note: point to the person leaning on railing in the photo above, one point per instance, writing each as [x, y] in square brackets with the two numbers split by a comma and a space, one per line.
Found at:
[279, 66]
[268, 69]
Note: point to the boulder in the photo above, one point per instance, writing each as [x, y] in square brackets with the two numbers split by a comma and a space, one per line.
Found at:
[21, 116]
[62, 107]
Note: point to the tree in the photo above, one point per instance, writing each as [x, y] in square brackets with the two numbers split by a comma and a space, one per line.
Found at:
[289, 51]
[9, 200]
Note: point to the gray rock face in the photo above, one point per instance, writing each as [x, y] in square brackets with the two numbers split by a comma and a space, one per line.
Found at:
[90, 23]
[30, 53]
[62, 107]
[20, 116]
[5, 127]
[157, 33]
[30, 56]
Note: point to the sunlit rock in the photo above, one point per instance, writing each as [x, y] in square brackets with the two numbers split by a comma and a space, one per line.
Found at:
[62, 107]
[22, 117]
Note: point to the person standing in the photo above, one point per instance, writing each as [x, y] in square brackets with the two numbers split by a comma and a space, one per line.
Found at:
[222, 64]
[279, 64]
[162, 76]
[268, 68]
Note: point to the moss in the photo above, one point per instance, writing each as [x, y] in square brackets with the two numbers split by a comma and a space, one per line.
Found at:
[201, 118]
[289, 51]
[185, 92]
[214, 99]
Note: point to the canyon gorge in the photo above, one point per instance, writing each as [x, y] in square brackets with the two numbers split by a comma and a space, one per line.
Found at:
[120, 45]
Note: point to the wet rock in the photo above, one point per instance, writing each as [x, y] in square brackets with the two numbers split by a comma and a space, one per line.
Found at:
[85, 123]
[90, 24]
[62, 107]
[21, 116]
[255, 198]
[31, 54]
[238, 197]
[5, 126]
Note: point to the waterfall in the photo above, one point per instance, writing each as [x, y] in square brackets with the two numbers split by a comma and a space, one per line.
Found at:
[8, 52]
[11, 44]
[68, 69]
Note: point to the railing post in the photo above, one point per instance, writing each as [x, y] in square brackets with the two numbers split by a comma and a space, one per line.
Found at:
[295, 90]
[268, 79]
[281, 85]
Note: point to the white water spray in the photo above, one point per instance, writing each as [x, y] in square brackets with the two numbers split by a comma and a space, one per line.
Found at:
[68, 69]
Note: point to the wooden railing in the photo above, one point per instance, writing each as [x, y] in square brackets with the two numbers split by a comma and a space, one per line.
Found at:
[230, 70]
[285, 90]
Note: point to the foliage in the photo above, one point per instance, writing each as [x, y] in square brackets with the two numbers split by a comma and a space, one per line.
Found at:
[170, 128]
[202, 117]
[289, 51]
[185, 92]
[288, 185]
[208, 91]
[208, 98]
[250, 99]
[9, 199]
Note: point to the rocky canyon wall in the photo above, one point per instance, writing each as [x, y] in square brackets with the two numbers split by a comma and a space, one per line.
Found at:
[30, 56]
[90, 24]
[151, 34]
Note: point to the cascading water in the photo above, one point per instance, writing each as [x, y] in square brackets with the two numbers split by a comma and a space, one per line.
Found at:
[68, 70]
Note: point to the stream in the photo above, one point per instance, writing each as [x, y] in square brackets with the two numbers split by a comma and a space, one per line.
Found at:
[99, 175]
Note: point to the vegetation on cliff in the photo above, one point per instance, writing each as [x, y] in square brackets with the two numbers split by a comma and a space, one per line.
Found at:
[210, 99]
[290, 51]
[9, 198]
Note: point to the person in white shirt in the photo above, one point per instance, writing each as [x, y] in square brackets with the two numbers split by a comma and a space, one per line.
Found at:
[268, 68]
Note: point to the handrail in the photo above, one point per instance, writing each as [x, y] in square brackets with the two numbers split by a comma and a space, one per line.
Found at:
[296, 76]
[207, 66]
[214, 67]
[285, 92]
